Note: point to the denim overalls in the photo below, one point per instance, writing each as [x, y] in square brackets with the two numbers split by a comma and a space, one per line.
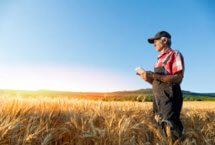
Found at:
[167, 102]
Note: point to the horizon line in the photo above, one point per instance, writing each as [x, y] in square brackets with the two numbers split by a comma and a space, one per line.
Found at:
[95, 91]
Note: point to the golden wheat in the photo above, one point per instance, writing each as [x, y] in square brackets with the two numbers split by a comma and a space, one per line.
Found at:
[64, 121]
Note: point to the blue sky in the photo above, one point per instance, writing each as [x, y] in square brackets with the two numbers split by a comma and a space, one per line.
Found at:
[96, 45]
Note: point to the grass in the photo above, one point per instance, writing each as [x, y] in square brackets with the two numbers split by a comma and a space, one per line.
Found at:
[63, 121]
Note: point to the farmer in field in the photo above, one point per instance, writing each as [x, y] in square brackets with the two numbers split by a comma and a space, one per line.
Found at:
[166, 79]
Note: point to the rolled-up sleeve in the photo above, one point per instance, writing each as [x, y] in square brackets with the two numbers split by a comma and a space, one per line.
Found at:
[178, 63]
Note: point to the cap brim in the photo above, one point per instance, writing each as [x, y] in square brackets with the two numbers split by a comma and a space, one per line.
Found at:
[151, 40]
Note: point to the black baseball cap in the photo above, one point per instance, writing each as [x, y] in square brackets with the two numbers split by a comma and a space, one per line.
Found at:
[159, 35]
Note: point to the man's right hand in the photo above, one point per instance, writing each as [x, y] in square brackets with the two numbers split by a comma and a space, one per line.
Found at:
[147, 76]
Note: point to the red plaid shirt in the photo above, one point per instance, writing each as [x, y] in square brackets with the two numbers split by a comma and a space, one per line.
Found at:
[172, 61]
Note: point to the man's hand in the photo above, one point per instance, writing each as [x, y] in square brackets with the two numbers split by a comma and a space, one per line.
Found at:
[147, 76]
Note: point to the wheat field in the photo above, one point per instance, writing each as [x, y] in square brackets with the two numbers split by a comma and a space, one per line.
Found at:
[64, 121]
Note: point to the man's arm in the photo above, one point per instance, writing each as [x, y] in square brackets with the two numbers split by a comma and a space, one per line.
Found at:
[172, 79]
[150, 80]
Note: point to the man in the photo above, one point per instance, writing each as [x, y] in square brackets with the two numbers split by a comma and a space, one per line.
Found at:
[166, 78]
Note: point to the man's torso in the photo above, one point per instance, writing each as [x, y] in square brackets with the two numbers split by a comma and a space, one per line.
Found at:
[171, 61]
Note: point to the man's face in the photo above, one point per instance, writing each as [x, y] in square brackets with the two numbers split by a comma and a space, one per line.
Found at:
[159, 45]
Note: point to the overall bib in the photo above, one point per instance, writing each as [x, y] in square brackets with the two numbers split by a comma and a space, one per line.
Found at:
[167, 102]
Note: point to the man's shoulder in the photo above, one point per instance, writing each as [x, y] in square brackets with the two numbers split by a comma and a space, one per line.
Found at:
[176, 52]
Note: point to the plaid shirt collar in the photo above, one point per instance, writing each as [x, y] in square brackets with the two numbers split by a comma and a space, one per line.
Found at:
[166, 52]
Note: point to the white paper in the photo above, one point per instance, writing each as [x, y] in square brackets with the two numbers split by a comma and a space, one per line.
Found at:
[140, 70]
